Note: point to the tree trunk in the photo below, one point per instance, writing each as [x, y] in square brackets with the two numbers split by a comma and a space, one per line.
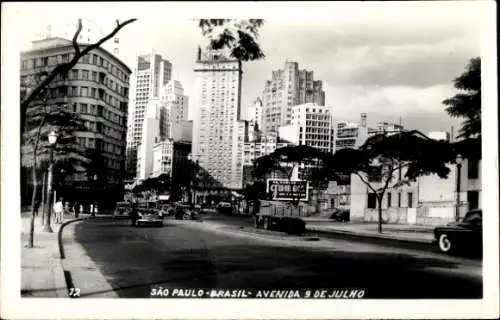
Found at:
[379, 201]
[44, 189]
[33, 204]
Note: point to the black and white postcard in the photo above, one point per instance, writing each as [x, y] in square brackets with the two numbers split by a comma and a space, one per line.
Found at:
[230, 160]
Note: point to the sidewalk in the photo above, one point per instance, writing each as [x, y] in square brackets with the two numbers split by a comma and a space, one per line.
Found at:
[409, 233]
[42, 269]
[42, 274]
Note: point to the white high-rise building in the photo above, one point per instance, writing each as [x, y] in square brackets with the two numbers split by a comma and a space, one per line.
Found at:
[153, 131]
[312, 125]
[150, 74]
[176, 103]
[218, 130]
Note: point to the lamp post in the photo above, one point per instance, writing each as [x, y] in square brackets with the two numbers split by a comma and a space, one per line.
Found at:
[94, 182]
[52, 142]
[458, 187]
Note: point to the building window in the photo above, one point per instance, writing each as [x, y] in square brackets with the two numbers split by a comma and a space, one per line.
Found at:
[389, 199]
[84, 91]
[83, 108]
[473, 169]
[94, 75]
[85, 75]
[410, 199]
[74, 74]
[372, 200]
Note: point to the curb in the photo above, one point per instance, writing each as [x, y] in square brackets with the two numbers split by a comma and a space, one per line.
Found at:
[60, 278]
[369, 236]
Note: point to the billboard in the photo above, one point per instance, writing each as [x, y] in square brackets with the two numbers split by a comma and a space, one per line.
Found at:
[283, 189]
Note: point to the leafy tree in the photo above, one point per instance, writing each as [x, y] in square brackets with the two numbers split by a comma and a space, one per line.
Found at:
[377, 162]
[239, 36]
[467, 103]
[44, 116]
[30, 94]
[254, 192]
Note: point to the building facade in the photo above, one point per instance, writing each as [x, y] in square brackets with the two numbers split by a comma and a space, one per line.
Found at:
[254, 113]
[288, 87]
[150, 74]
[311, 125]
[218, 130]
[97, 89]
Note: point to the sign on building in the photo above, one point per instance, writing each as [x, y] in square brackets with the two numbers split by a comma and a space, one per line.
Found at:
[283, 189]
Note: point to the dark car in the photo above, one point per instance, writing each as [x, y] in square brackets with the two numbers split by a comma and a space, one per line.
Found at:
[464, 236]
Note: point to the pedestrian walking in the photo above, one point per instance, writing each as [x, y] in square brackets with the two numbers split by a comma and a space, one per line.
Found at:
[58, 210]
[36, 207]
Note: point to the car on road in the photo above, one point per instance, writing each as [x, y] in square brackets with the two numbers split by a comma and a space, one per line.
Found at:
[165, 210]
[122, 210]
[224, 207]
[463, 236]
[183, 211]
[149, 218]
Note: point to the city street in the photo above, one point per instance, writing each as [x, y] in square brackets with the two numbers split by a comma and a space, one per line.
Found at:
[190, 254]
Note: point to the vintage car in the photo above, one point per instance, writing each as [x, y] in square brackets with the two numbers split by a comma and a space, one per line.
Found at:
[224, 207]
[122, 210]
[149, 217]
[183, 211]
[165, 210]
[463, 236]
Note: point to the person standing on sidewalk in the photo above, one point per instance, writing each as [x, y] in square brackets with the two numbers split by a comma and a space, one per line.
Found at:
[58, 210]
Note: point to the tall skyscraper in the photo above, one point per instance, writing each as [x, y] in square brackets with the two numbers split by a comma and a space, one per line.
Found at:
[288, 87]
[176, 104]
[150, 74]
[218, 130]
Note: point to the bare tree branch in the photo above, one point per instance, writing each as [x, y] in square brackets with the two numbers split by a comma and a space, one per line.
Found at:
[75, 38]
[366, 182]
[65, 67]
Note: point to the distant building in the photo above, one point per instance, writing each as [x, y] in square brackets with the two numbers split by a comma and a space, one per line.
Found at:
[150, 74]
[288, 87]
[254, 113]
[311, 125]
[153, 131]
[261, 146]
[218, 127]
[439, 135]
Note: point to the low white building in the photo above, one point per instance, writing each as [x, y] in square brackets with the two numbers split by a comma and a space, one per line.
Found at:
[429, 200]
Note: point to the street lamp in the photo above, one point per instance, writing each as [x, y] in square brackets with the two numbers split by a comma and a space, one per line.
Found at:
[94, 182]
[459, 171]
[52, 142]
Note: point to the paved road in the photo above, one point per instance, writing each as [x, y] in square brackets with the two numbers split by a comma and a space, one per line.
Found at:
[188, 254]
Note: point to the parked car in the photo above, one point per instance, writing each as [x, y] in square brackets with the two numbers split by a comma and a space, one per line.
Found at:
[122, 210]
[149, 217]
[224, 207]
[165, 210]
[340, 215]
[183, 212]
[464, 236]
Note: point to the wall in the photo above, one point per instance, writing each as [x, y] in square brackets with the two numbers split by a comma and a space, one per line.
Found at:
[290, 133]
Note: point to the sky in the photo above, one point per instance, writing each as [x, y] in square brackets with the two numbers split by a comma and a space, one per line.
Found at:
[392, 61]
